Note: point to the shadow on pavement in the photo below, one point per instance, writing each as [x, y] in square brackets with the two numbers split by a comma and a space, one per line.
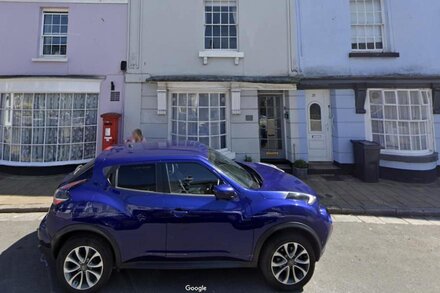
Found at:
[23, 269]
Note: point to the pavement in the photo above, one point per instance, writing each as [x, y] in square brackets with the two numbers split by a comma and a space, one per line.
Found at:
[341, 194]
[345, 194]
[364, 254]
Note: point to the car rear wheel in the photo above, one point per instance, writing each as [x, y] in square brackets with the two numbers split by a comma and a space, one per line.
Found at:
[288, 262]
[84, 264]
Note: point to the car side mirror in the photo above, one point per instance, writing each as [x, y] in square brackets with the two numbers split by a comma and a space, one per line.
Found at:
[224, 191]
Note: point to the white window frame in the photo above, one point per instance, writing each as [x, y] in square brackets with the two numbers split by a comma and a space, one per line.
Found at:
[226, 3]
[383, 30]
[431, 147]
[201, 91]
[41, 53]
[221, 53]
[9, 162]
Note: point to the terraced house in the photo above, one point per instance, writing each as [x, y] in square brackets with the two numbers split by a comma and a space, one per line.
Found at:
[276, 80]
[289, 79]
[373, 69]
[59, 69]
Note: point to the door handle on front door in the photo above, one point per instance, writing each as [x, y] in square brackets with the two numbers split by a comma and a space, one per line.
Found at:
[180, 212]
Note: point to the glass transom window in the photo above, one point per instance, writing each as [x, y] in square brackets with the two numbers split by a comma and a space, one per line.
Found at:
[367, 25]
[48, 127]
[401, 120]
[199, 117]
[54, 34]
[220, 25]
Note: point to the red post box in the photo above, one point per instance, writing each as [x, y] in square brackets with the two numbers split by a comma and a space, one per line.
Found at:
[110, 132]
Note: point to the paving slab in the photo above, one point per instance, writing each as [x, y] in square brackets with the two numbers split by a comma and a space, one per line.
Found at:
[387, 198]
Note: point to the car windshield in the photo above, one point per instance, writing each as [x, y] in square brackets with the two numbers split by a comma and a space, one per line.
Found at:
[233, 170]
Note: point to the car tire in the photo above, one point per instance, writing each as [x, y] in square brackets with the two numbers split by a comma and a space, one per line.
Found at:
[288, 271]
[84, 264]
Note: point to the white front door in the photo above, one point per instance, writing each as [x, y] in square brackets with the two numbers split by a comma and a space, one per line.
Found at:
[319, 126]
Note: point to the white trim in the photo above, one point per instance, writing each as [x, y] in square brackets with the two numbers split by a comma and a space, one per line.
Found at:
[323, 99]
[430, 136]
[236, 101]
[383, 25]
[51, 59]
[225, 86]
[221, 54]
[50, 85]
[198, 90]
[70, 1]
[161, 101]
[53, 10]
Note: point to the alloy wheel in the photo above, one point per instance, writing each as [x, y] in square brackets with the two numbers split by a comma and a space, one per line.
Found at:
[290, 263]
[83, 267]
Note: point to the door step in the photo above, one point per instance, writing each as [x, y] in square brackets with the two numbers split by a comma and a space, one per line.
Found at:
[324, 168]
[284, 165]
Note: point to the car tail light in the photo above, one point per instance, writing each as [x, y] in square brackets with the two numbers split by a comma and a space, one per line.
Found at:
[62, 194]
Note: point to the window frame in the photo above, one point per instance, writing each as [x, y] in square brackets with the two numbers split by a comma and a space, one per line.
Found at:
[45, 11]
[237, 22]
[382, 27]
[167, 189]
[199, 91]
[315, 120]
[157, 170]
[430, 139]
[11, 108]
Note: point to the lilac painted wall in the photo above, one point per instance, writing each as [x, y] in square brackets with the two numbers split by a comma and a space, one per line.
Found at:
[97, 41]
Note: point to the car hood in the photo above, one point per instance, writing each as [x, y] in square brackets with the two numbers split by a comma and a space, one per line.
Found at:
[275, 179]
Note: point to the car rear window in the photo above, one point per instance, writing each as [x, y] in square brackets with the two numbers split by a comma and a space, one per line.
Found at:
[137, 177]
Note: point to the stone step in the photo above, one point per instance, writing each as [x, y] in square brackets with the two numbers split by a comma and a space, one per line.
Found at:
[324, 168]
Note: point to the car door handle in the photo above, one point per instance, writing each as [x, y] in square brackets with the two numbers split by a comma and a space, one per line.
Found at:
[180, 212]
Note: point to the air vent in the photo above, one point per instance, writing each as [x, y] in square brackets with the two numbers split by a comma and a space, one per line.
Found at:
[115, 96]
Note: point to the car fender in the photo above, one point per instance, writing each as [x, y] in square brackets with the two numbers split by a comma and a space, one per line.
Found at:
[283, 226]
[86, 228]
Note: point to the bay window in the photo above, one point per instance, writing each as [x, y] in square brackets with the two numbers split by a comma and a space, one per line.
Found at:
[39, 128]
[401, 120]
[199, 117]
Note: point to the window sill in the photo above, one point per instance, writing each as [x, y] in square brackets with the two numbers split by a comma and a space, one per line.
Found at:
[50, 59]
[415, 157]
[227, 153]
[221, 54]
[374, 55]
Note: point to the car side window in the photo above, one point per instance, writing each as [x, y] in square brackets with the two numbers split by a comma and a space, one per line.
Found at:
[191, 178]
[137, 177]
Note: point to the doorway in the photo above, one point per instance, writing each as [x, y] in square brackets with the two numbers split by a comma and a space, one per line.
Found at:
[319, 126]
[271, 129]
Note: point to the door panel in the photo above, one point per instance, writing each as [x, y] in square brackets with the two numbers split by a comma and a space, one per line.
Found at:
[271, 126]
[319, 126]
[143, 230]
[204, 227]
[200, 226]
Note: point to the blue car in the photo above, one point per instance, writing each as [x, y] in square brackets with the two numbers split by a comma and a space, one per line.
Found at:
[182, 206]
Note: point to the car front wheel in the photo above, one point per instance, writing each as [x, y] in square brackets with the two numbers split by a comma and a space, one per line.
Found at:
[84, 264]
[288, 262]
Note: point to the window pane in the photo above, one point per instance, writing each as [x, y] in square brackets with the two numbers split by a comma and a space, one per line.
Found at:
[377, 111]
[376, 97]
[391, 112]
[390, 97]
[190, 178]
[139, 177]
[377, 127]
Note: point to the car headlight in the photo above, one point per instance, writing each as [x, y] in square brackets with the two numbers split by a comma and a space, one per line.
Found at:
[309, 198]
